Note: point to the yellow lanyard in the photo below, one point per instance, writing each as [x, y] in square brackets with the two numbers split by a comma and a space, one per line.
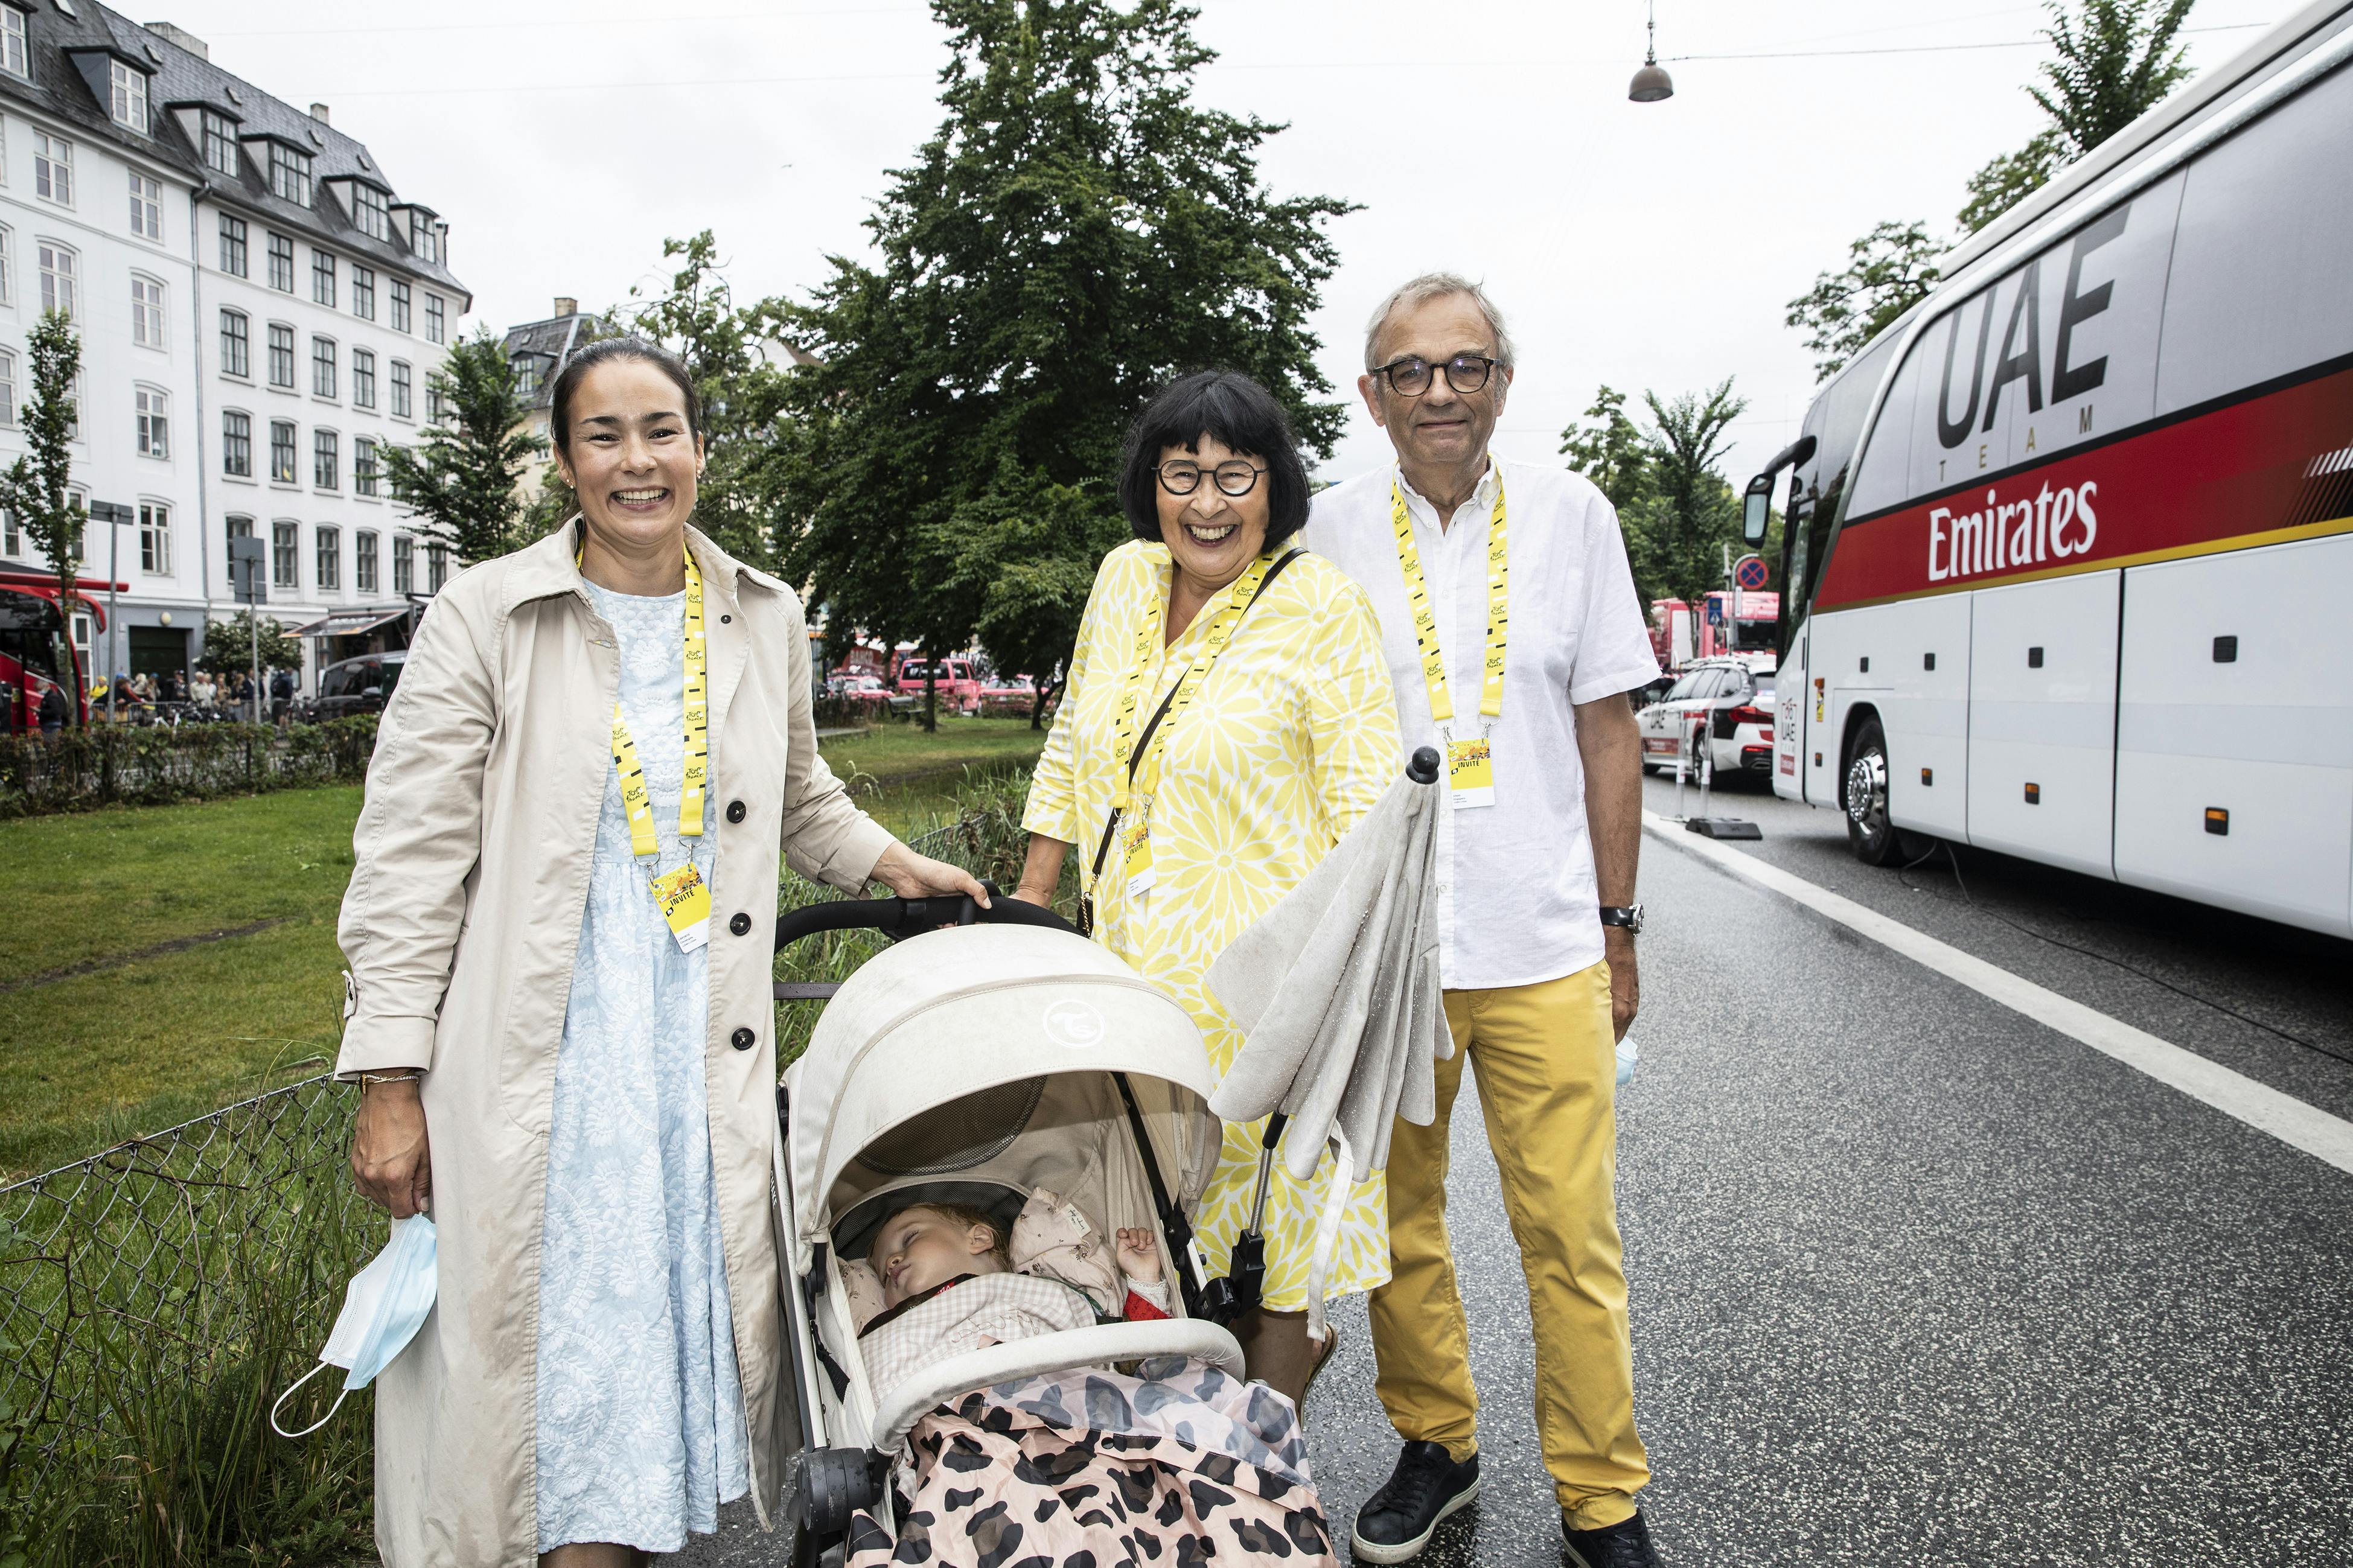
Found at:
[1223, 610]
[643, 841]
[1425, 620]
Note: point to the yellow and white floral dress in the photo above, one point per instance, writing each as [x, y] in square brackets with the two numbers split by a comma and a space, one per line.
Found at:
[1289, 740]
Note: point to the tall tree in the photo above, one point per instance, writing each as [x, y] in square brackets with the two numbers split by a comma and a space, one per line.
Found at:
[1674, 505]
[34, 487]
[2112, 62]
[1888, 271]
[1612, 452]
[1076, 231]
[233, 642]
[460, 478]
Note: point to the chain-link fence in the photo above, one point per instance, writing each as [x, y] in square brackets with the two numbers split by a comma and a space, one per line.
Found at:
[154, 1299]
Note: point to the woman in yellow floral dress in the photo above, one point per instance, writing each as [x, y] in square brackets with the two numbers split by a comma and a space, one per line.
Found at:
[1276, 733]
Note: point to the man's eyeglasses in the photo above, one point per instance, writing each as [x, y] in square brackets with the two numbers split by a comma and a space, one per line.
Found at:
[1235, 479]
[1409, 377]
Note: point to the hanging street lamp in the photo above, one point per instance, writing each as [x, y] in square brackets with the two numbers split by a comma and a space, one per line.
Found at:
[1651, 84]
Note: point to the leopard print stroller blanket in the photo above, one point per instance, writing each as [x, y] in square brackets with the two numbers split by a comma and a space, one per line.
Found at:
[1177, 1465]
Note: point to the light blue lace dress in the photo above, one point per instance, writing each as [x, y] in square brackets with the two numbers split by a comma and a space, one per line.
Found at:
[640, 1410]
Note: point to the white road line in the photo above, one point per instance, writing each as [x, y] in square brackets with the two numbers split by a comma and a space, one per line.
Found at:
[2234, 1094]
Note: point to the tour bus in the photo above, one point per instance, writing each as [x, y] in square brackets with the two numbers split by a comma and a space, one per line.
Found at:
[35, 655]
[2066, 546]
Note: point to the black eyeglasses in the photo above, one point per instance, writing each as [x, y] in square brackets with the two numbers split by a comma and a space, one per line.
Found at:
[1410, 376]
[1235, 479]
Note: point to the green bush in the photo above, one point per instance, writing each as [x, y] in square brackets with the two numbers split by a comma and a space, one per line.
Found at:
[134, 764]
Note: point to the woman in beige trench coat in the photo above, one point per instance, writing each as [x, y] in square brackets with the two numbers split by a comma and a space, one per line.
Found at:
[477, 908]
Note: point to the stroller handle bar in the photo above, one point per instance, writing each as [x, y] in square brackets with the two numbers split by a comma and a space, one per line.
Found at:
[902, 917]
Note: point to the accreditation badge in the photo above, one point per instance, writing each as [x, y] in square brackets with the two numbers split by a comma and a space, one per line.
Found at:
[1135, 855]
[685, 900]
[1471, 773]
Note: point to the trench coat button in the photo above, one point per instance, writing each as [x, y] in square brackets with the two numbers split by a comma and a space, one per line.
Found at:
[740, 924]
[734, 811]
[742, 1039]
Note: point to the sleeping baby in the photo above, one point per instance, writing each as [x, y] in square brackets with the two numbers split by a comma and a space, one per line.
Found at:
[950, 1282]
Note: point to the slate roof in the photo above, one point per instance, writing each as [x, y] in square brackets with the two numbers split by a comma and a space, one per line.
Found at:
[552, 341]
[61, 88]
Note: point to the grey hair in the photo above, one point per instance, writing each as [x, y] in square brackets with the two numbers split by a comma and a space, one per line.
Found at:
[1421, 290]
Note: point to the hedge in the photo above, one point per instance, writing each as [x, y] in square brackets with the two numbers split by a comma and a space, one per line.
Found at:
[75, 770]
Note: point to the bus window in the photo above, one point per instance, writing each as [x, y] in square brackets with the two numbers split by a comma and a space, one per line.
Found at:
[1835, 422]
[2258, 285]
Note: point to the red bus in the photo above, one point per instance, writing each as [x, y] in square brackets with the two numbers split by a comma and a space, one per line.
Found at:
[36, 651]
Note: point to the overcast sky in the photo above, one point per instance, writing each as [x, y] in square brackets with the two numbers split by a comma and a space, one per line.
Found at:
[1644, 246]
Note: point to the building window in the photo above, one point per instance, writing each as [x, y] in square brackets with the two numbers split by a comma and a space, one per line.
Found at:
[281, 264]
[13, 55]
[7, 388]
[237, 445]
[146, 313]
[240, 528]
[7, 265]
[146, 206]
[281, 355]
[400, 398]
[400, 306]
[330, 553]
[364, 293]
[285, 554]
[323, 278]
[73, 415]
[53, 168]
[433, 325]
[127, 100]
[369, 213]
[232, 241]
[154, 539]
[436, 567]
[281, 451]
[432, 403]
[323, 367]
[11, 536]
[364, 560]
[59, 267]
[364, 378]
[525, 366]
[154, 410]
[220, 149]
[364, 468]
[290, 174]
[404, 565]
[424, 239]
[326, 459]
[237, 344]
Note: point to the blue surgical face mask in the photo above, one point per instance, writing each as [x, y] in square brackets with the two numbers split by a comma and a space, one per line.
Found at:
[383, 1307]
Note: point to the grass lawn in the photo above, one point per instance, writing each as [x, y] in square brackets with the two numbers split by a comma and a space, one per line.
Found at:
[168, 1023]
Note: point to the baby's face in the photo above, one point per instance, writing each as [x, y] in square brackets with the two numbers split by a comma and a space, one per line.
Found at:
[921, 1247]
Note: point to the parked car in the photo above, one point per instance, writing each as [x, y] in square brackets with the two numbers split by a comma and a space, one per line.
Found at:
[1724, 702]
[869, 691]
[1010, 697]
[958, 683]
[362, 685]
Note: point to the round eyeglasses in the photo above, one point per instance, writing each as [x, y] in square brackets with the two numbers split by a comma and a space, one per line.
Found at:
[1409, 377]
[1237, 478]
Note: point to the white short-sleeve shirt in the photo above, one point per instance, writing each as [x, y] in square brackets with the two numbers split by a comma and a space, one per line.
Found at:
[1516, 901]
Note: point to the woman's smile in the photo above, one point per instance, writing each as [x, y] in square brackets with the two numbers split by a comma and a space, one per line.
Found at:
[652, 498]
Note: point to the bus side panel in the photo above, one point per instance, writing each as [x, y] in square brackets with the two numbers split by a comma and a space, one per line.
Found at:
[1793, 698]
[1925, 713]
[2263, 733]
[2042, 692]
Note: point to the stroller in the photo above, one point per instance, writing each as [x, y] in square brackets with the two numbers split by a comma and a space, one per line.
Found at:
[990, 1053]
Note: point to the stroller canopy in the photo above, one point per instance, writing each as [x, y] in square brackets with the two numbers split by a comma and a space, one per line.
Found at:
[1040, 1017]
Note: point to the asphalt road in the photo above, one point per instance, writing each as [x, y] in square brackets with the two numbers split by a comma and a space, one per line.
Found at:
[1918, 1280]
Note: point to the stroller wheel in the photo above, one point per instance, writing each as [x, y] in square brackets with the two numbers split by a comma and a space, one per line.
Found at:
[835, 1483]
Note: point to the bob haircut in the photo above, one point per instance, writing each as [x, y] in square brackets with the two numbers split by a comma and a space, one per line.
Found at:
[1237, 412]
[605, 351]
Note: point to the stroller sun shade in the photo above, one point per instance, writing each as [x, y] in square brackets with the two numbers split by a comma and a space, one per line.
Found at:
[987, 1053]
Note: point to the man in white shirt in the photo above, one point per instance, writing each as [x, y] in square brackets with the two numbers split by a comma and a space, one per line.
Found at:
[1513, 633]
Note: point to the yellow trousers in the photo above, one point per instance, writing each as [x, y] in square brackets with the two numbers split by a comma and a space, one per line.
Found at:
[1548, 1072]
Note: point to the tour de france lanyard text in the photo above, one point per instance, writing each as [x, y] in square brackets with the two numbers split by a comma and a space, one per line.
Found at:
[1469, 763]
[1137, 778]
[684, 897]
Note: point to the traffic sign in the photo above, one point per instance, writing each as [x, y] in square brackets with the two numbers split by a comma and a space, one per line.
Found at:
[1714, 611]
[1749, 572]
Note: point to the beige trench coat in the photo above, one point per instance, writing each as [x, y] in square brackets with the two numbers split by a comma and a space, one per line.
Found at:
[464, 910]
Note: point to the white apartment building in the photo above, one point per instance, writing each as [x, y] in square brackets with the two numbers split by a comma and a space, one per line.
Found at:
[260, 310]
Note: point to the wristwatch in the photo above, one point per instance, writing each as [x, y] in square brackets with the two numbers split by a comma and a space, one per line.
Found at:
[1628, 915]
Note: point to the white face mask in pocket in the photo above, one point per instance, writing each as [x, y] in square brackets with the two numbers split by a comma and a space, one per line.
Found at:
[385, 1305]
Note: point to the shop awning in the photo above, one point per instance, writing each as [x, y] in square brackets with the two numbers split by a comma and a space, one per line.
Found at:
[349, 623]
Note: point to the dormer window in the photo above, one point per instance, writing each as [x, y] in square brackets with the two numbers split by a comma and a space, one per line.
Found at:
[369, 215]
[128, 99]
[13, 55]
[290, 174]
[425, 242]
[220, 145]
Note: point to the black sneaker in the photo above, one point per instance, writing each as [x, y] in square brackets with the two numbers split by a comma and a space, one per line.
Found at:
[1625, 1544]
[1396, 1521]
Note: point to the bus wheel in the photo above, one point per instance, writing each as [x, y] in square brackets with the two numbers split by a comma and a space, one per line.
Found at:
[1868, 832]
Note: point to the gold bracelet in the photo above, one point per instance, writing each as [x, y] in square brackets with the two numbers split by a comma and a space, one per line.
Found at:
[409, 1075]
